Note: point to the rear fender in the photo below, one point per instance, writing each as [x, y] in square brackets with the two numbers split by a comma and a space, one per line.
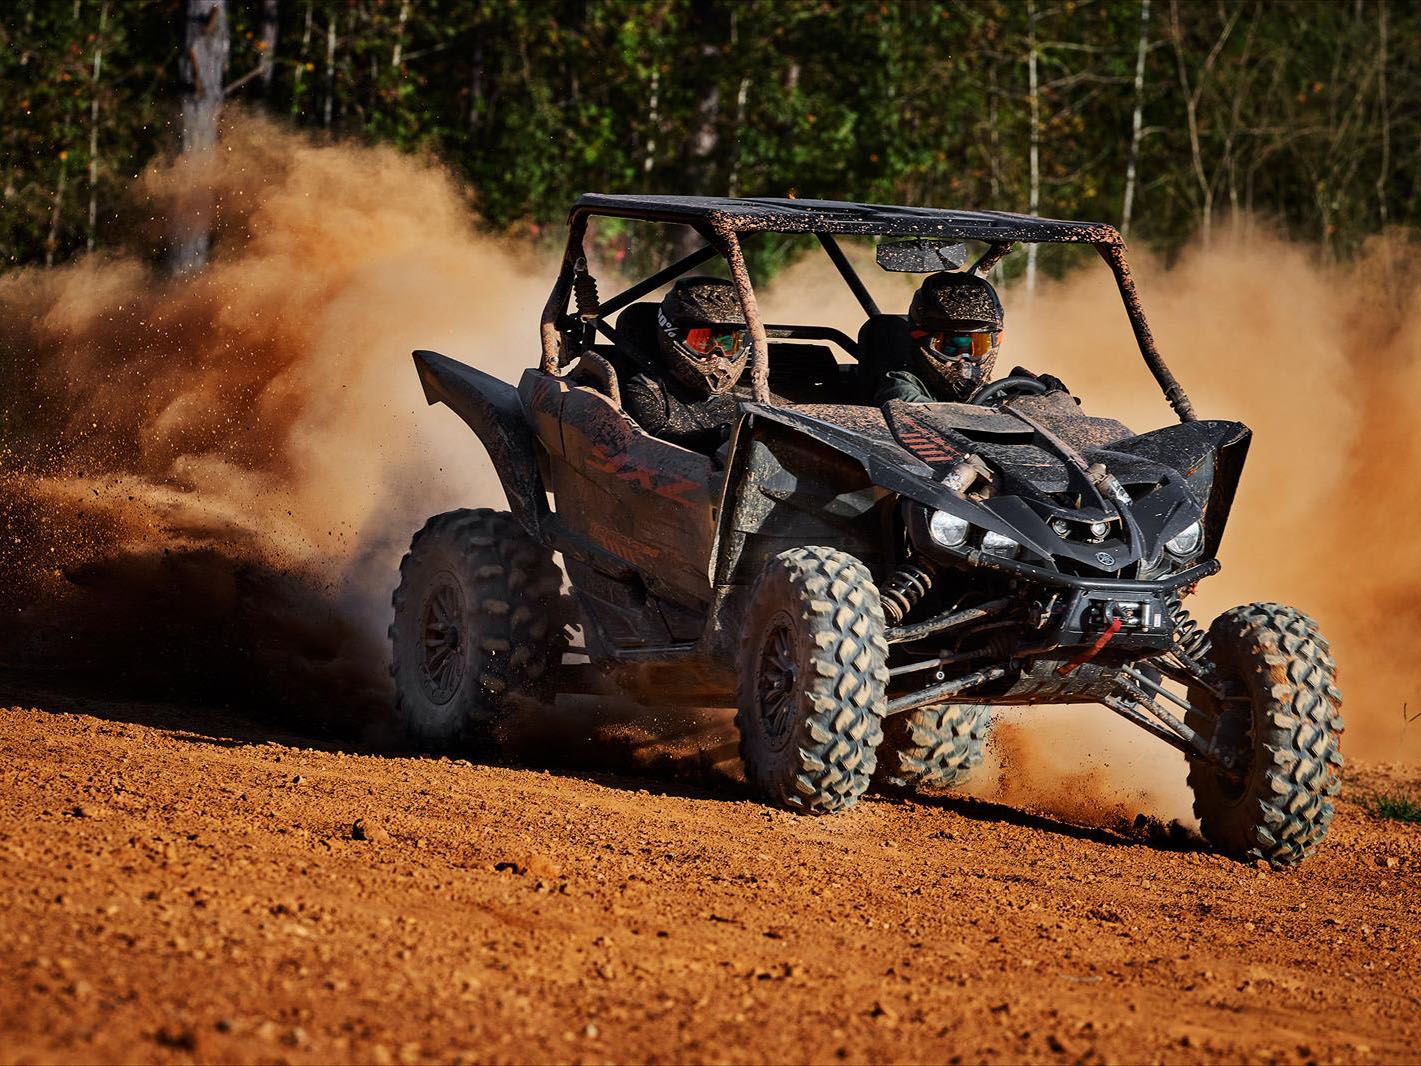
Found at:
[492, 411]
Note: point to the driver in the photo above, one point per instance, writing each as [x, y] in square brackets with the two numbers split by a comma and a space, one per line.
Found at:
[955, 321]
[690, 398]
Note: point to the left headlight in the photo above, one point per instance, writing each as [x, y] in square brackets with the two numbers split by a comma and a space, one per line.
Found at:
[1186, 542]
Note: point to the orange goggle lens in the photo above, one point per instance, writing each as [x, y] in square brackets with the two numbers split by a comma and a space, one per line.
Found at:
[954, 345]
[709, 341]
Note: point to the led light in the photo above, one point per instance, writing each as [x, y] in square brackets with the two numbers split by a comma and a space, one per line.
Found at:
[947, 530]
[1186, 541]
[1098, 530]
[998, 544]
[1061, 526]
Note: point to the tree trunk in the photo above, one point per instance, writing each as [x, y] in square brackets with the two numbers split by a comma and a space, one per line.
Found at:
[330, 70]
[742, 97]
[397, 53]
[1385, 107]
[296, 78]
[94, 123]
[202, 69]
[51, 243]
[653, 119]
[1034, 194]
[1136, 121]
[270, 20]
[476, 88]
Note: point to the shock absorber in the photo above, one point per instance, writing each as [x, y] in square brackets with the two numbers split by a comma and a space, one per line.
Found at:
[902, 591]
[584, 288]
[1191, 637]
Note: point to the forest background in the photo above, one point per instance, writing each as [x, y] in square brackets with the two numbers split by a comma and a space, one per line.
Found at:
[1169, 118]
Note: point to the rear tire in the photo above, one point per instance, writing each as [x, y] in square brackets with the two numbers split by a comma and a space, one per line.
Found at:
[1286, 731]
[477, 627]
[813, 669]
[932, 747]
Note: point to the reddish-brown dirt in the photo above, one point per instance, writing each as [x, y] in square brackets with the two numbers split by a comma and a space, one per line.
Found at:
[180, 884]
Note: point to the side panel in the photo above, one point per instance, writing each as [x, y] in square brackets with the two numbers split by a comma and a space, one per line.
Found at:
[491, 409]
[633, 496]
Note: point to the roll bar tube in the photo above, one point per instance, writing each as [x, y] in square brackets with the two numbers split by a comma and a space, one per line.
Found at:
[1114, 256]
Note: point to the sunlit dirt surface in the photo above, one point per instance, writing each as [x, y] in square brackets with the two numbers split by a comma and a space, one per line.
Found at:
[178, 883]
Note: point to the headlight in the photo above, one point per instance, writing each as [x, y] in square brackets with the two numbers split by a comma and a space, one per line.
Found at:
[1186, 541]
[997, 544]
[947, 530]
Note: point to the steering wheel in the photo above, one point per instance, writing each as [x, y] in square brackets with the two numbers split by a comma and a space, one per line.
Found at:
[997, 391]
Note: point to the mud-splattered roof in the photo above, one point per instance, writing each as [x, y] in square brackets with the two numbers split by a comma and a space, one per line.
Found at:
[779, 215]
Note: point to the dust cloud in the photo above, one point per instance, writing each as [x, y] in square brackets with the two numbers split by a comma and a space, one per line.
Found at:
[216, 475]
[213, 478]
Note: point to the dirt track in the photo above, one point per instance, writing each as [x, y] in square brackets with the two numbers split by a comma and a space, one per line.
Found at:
[173, 890]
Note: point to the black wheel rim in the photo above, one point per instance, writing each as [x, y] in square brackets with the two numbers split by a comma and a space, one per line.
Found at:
[443, 647]
[778, 690]
[1234, 734]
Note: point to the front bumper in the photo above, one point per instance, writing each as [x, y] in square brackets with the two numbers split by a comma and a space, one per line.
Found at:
[1085, 607]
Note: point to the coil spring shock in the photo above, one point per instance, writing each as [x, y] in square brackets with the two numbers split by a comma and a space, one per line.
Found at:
[584, 288]
[903, 589]
[1191, 637]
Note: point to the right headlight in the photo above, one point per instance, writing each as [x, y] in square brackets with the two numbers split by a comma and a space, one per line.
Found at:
[947, 530]
[1186, 542]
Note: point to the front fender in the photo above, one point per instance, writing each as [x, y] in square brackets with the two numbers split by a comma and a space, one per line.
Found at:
[492, 411]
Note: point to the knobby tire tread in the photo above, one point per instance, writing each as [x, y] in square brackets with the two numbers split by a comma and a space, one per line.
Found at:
[932, 747]
[516, 586]
[832, 757]
[1285, 806]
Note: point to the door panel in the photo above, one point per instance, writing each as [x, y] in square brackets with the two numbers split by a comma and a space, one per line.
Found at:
[644, 500]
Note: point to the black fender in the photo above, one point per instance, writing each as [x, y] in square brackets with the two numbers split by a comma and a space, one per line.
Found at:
[785, 487]
[492, 410]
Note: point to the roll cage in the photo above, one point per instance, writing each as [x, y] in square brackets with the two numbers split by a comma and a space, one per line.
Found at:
[721, 222]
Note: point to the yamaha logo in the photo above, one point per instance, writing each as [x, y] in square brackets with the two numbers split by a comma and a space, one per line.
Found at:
[1105, 559]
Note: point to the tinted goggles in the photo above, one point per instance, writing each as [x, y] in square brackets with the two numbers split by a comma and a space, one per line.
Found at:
[953, 344]
[719, 340]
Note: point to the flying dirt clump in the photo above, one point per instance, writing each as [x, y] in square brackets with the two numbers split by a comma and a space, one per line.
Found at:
[231, 462]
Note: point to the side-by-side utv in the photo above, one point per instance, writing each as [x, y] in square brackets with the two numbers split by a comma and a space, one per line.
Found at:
[863, 583]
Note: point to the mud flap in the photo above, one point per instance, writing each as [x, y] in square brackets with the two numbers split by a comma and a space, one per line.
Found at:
[491, 409]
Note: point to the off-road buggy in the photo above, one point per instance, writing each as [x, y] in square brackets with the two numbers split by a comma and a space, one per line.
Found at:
[863, 583]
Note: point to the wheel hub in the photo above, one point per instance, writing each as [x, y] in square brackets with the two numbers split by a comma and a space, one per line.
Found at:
[779, 668]
[442, 645]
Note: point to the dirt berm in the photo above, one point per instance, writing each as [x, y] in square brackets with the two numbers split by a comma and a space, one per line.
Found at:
[173, 892]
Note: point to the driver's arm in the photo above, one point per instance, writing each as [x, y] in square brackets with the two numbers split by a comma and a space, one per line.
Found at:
[901, 385]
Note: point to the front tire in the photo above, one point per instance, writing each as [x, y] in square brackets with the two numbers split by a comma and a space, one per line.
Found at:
[476, 627]
[1284, 725]
[813, 670]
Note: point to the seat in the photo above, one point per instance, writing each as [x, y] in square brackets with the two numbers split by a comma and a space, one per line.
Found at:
[636, 333]
[804, 373]
[885, 345]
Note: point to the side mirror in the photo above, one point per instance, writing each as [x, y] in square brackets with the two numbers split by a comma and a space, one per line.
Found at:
[920, 256]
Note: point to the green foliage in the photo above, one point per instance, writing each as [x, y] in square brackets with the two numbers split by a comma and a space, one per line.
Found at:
[1397, 806]
[1292, 109]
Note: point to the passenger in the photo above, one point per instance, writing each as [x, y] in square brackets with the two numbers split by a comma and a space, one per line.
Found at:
[690, 396]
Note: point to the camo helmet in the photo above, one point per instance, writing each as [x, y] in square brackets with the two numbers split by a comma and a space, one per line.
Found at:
[702, 334]
[956, 322]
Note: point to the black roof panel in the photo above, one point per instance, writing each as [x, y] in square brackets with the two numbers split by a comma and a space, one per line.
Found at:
[781, 215]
